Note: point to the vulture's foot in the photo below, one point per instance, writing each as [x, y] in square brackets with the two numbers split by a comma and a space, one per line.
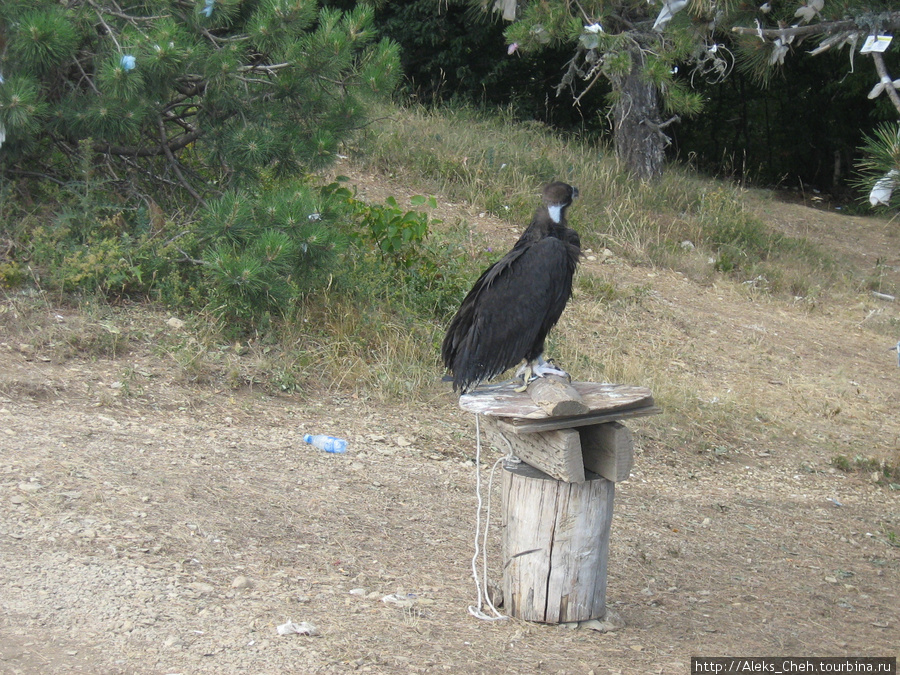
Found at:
[525, 374]
[544, 368]
[537, 368]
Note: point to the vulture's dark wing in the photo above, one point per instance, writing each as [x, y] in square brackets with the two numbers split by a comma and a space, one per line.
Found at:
[507, 314]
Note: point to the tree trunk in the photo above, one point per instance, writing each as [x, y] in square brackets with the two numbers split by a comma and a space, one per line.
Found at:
[637, 125]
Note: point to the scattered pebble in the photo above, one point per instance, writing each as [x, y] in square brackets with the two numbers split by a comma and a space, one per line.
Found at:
[202, 588]
[173, 641]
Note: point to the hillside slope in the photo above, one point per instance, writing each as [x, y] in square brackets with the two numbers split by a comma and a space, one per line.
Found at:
[153, 525]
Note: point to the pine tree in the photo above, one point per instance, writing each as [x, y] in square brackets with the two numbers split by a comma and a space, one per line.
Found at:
[619, 41]
[236, 84]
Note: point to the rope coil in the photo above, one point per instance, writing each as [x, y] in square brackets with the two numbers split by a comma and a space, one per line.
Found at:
[481, 548]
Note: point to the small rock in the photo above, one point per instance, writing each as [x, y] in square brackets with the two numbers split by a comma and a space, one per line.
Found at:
[173, 641]
[175, 323]
[30, 487]
[17, 499]
[88, 533]
[241, 582]
[202, 588]
[611, 622]
[357, 591]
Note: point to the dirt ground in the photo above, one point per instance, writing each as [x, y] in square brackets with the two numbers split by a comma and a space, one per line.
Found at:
[149, 525]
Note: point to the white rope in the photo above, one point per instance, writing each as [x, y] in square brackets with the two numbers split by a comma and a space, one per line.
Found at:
[481, 586]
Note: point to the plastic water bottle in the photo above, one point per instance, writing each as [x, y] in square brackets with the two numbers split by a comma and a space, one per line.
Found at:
[326, 443]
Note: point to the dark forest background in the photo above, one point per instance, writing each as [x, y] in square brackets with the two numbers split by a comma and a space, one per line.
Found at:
[801, 130]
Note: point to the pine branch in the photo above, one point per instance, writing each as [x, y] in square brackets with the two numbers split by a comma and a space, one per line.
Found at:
[892, 22]
[154, 151]
[187, 258]
[883, 74]
[109, 31]
[174, 162]
[146, 172]
[119, 13]
[169, 116]
[35, 174]
[86, 77]
[267, 68]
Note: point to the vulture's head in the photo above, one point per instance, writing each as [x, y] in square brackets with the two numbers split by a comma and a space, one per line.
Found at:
[558, 196]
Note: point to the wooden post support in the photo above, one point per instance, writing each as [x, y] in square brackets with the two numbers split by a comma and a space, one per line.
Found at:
[608, 449]
[556, 452]
[564, 454]
[556, 545]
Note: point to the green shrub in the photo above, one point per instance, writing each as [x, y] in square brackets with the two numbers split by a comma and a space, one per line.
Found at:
[261, 253]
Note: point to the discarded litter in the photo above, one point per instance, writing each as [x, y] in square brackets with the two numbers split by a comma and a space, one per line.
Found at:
[400, 600]
[302, 628]
[326, 443]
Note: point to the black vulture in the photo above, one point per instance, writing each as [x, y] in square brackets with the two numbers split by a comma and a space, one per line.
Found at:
[516, 301]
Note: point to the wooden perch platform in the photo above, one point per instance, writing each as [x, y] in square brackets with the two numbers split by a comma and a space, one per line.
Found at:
[521, 414]
[556, 545]
[588, 434]
[557, 503]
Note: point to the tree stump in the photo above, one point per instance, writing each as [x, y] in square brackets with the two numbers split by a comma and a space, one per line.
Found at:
[555, 544]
